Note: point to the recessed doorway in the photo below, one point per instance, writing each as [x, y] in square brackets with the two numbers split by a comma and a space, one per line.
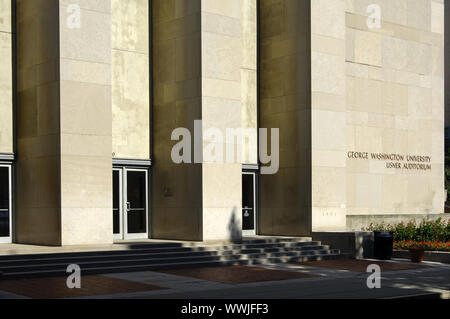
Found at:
[249, 208]
[5, 205]
[130, 204]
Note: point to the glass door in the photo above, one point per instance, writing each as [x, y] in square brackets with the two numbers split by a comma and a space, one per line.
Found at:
[136, 203]
[130, 204]
[249, 204]
[5, 204]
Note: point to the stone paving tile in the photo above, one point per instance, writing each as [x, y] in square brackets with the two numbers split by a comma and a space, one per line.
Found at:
[333, 283]
[394, 284]
[238, 274]
[324, 273]
[314, 282]
[360, 265]
[170, 281]
[53, 288]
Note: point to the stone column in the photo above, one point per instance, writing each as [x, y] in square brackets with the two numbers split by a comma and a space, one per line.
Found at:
[197, 76]
[221, 108]
[64, 123]
[328, 113]
[285, 93]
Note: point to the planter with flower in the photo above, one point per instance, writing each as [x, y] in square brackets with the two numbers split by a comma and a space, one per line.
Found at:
[417, 238]
[417, 249]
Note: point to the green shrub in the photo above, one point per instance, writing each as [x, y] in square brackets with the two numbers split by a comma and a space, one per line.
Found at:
[405, 232]
[379, 227]
[438, 230]
[426, 231]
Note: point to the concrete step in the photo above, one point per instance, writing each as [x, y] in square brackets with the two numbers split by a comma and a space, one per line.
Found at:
[245, 241]
[136, 255]
[163, 256]
[153, 260]
[274, 240]
[165, 266]
[160, 249]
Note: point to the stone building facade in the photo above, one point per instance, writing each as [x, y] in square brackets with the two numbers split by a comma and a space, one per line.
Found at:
[91, 93]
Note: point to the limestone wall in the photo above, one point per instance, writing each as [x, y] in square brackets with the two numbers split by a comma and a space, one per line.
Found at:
[447, 65]
[85, 124]
[221, 69]
[130, 79]
[375, 94]
[249, 81]
[379, 143]
[329, 117]
[6, 108]
[359, 103]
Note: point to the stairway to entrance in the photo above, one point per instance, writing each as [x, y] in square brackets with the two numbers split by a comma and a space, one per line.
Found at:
[171, 255]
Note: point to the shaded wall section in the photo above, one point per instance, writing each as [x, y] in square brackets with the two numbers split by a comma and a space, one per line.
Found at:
[285, 198]
[176, 189]
[38, 198]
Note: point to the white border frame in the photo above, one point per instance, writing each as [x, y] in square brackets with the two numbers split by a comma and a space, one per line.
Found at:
[255, 208]
[8, 240]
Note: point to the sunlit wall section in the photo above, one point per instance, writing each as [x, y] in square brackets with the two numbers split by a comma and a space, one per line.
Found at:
[130, 79]
[249, 82]
[6, 109]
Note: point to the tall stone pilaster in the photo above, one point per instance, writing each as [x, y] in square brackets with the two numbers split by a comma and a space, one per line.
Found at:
[64, 193]
[285, 197]
[197, 76]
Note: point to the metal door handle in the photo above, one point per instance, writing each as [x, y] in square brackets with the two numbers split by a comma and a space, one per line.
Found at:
[128, 206]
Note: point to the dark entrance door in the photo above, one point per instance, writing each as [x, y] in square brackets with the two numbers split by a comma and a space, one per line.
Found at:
[5, 204]
[136, 202]
[130, 203]
[249, 204]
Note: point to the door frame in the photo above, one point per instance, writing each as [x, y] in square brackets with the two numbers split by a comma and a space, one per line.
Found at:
[123, 211]
[8, 240]
[253, 232]
[120, 235]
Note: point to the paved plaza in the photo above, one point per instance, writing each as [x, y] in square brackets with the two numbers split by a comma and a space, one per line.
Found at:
[312, 280]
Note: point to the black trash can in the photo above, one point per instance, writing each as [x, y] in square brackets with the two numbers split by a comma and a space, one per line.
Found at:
[383, 245]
